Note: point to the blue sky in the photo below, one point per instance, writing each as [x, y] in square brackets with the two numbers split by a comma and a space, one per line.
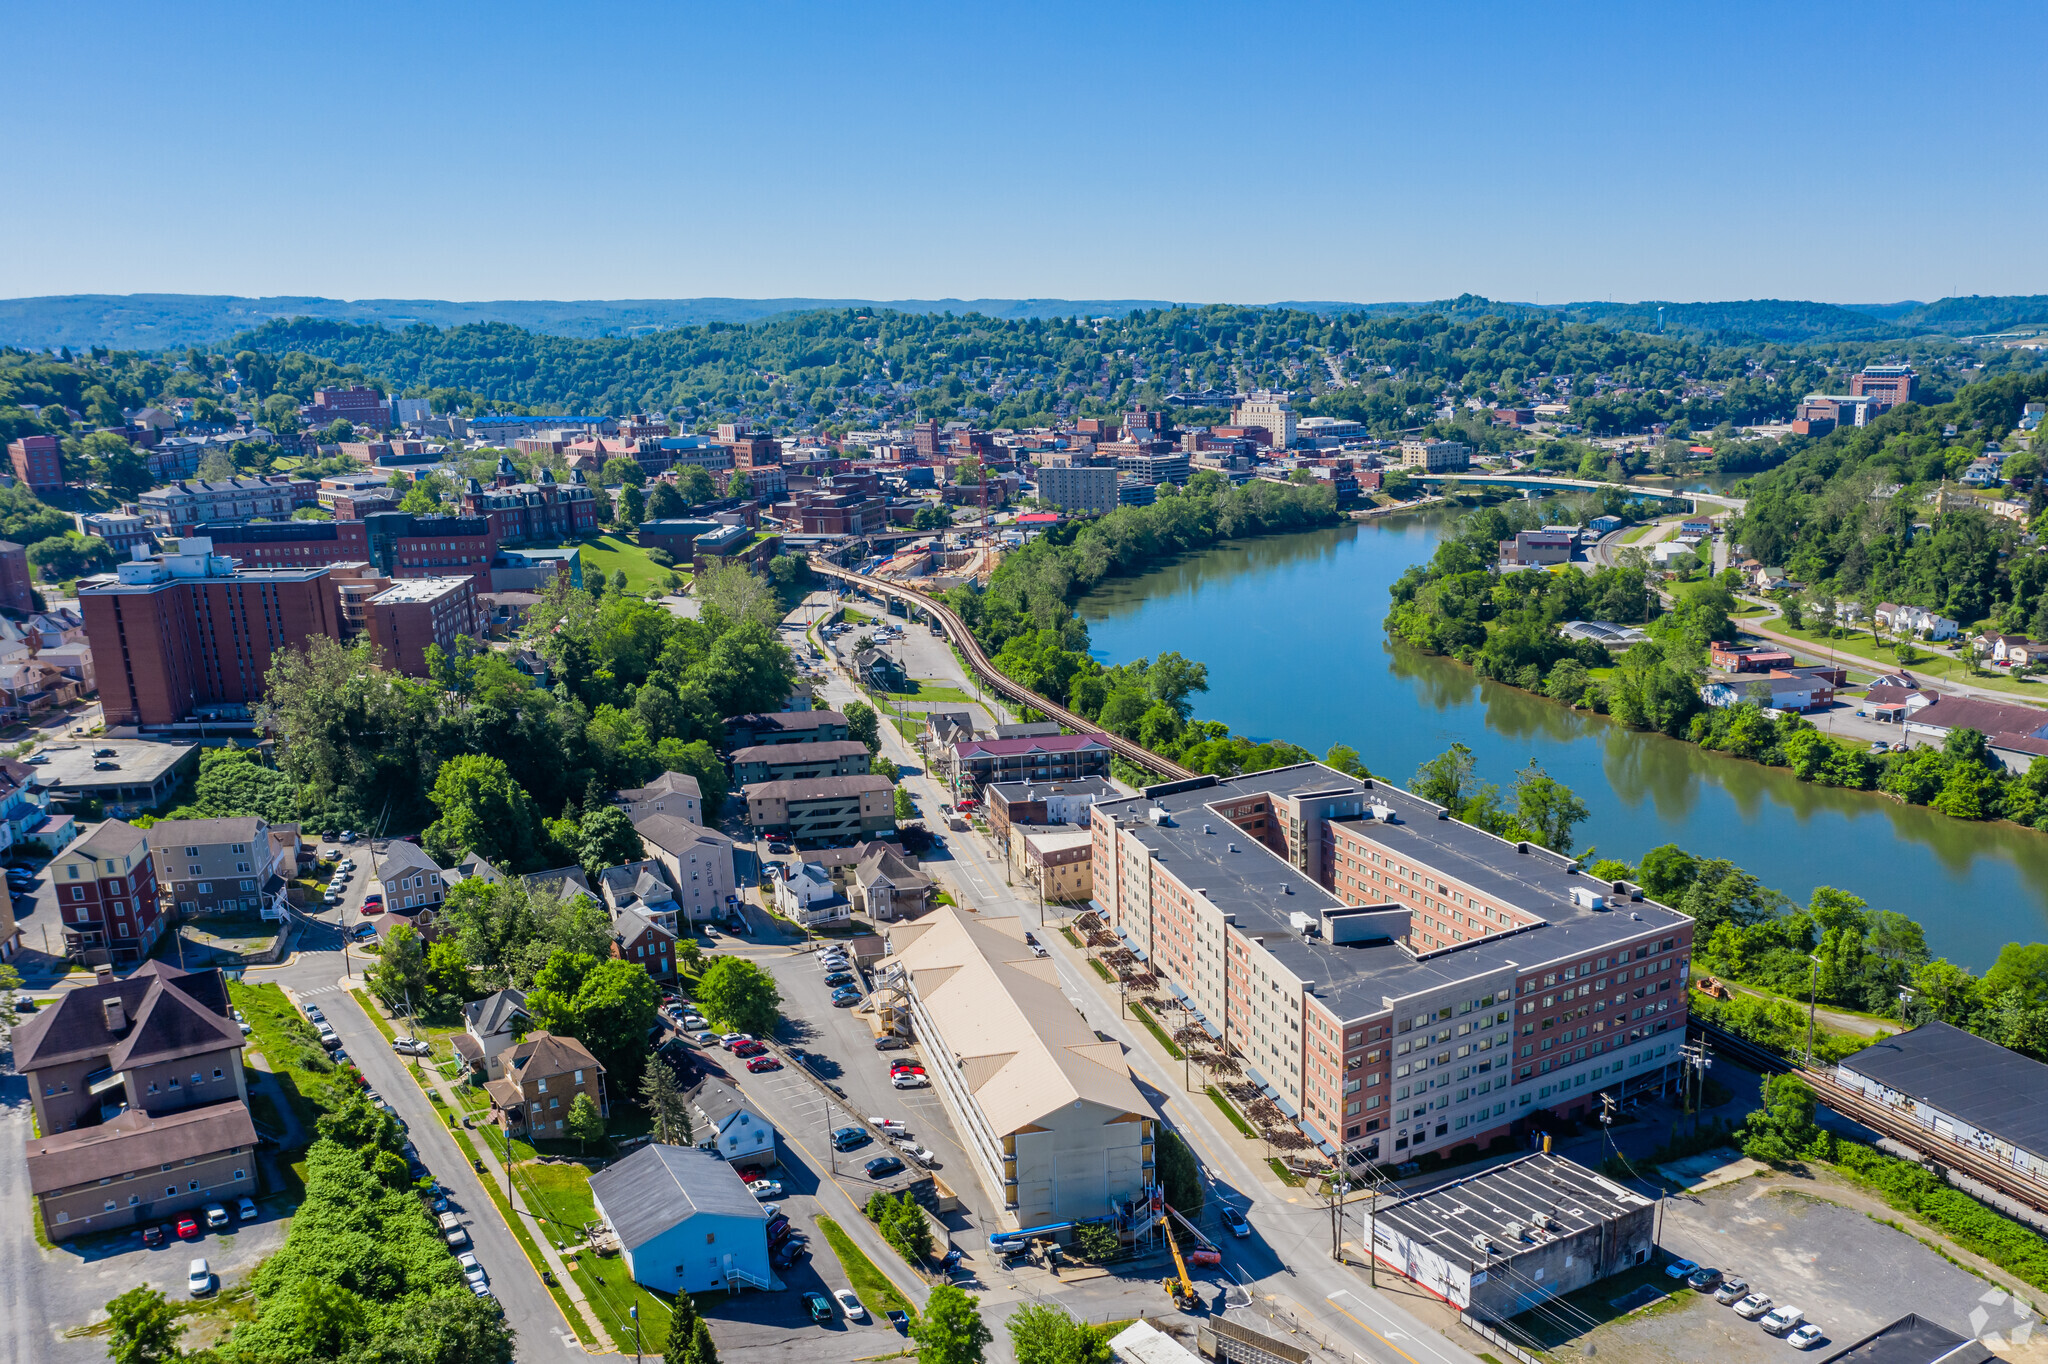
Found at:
[1196, 152]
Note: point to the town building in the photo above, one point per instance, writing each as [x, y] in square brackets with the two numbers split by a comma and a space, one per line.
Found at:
[825, 810]
[37, 462]
[139, 1098]
[1511, 1238]
[799, 762]
[1396, 980]
[1889, 385]
[1961, 1088]
[135, 776]
[1537, 548]
[1436, 456]
[886, 884]
[1742, 658]
[1800, 689]
[1079, 488]
[684, 1221]
[182, 508]
[188, 631]
[540, 511]
[221, 866]
[672, 793]
[806, 893]
[1269, 412]
[1043, 758]
[358, 404]
[541, 1078]
[124, 532]
[1035, 802]
[697, 862]
[106, 891]
[408, 618]
[396, 544]
[1057, 858]
[17, 587]
[1053, 1125]
[644, 912]
[491, 1027]
[1825, 411]
[408, 877]
[785, 727]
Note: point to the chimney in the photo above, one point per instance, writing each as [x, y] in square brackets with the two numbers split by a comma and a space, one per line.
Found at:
[103, 975]
[117, 1015]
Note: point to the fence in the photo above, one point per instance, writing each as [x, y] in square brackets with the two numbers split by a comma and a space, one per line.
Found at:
[1485, 1332]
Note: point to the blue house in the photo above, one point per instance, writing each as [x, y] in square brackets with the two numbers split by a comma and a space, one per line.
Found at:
[684, 1221]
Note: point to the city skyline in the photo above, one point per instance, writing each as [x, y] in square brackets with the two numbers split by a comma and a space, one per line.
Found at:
[1193, 154]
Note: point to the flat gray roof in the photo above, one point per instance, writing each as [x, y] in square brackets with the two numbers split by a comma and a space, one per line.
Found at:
[137, 762]
[1965, 1076]
[1503, 1205]
[1244, 878]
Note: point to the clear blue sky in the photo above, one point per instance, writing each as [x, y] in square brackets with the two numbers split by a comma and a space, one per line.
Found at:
[1103, 150]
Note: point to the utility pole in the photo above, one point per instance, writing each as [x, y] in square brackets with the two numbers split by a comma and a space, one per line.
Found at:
[1812, 996]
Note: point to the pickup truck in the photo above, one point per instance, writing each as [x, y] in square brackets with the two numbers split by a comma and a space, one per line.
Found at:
[453, 1232]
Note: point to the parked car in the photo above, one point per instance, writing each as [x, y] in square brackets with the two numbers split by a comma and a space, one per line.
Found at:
[1703, 1280]
[216, 1215]
[761, 1064]
[188, 1228]
[1731, 1290]
[850, 1138]
[1779, 1320]
[199, 1278]
[849, 1303]
[314, 1015]
[917, 1153]
[845, 999]
[155, 1234]
[245, 1208]
[733, 1039]
[743, 1050]
[892, 1044]
[1678, 1269]
[1234, 1219]
[905, 1067]
[1753, 1306]
[471, 1270]
[909, 1080]
[765, 1189]
[1804, 1336]
[818, 1307]
[453, 1232]
[706, 1038]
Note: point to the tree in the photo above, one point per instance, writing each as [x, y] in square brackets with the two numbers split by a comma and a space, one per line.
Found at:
[1444, 779]
[217, 466]
[951, 1330]
[740, 486]
[666, 1107]
[615, 1008]
[1547, 808]
[400, 977]
[551, 1001]
[112, 462]
[2021, 967]
[1782, 1128]
[863, 724]
[737, 995]
[683, 1322]
[632, 509]
[665, 503]
[606, 839]
[1046, 1333]
[70, 555]
[1179, 1175]
[1343, 757]
[10, 1008]
[693, 485]
[233, 783]
[586, 1124]
[482, 811]
[740, 595]
[906, 808]
[448, 968]
[621, 471]
[142, 1328]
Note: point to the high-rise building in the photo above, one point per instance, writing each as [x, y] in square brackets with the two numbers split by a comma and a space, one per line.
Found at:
[406, 617]
[1889, 384]
[17, 589]
[1089, 488]
[1436, 456]
[37, 462]
[1271, 412]
[190, 629]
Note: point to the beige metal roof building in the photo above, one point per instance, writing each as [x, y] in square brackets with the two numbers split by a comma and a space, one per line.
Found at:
[1051, 1118]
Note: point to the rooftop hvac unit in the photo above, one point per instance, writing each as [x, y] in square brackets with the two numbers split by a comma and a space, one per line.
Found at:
[1586, 898]
[1381, 811]
[1545, 1221]
[1156, 816]
[1481, 1243]
[1304, 924]
[1515, 1231]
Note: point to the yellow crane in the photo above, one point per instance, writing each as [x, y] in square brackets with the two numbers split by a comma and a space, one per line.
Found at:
[1181, 1289]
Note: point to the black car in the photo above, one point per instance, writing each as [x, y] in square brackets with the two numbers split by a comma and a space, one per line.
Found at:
[838, 978]
[778, 1228]
[881, 1167]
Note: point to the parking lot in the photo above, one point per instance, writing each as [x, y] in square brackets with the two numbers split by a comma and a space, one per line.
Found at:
[1846, 1270]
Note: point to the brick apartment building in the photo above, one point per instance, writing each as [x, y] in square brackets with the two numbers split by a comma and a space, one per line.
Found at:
[835, 513]
[750, 449]
[17, 588]
[181, 508]
[396, 544]
[1402, 981]
[1890, 385]
[541, 511]
[37, 462]
[407, 617]
[106, 891]
[542, 1077]
[140, 1103]
[188, 629]
[358, 404]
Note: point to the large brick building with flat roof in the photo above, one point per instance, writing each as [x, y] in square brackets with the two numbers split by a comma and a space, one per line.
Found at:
[1397, 980]
[398, 544]
[408, 617]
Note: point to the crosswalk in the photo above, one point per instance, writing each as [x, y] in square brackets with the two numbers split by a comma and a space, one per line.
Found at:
[319, 990]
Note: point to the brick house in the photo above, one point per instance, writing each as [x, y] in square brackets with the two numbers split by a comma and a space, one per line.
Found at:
[107, 896]
[542, 1077]
[643, 910]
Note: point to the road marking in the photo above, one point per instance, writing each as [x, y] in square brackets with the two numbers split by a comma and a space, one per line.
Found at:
[1363, 1306]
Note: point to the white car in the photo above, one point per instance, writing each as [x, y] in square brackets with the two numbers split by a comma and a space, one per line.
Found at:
[1753, 1306]
[1804, 1336]
[765, 1189]
[245, 1208]
[916, 1152]
[199, 1278]
[849, 1303]
[1779, 1320]
[471, 1270]
[907, 1080]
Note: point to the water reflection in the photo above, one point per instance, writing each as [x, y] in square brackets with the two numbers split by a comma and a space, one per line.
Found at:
[1290, 629]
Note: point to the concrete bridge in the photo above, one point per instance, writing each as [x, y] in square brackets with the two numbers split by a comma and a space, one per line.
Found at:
[1551, 483]
[927, 607]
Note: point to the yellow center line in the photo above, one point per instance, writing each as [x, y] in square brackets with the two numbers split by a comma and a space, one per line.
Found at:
[1374, 1334]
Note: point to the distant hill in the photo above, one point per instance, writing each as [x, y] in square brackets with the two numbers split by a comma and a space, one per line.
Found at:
[1979, 313]
[161, 321]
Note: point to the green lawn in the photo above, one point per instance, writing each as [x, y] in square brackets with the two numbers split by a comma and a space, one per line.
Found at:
[560, 1193]
[312, 1083]
[524, 1236]
[608, 554]
[609, 1289]
[932, 689]
[876, 1293]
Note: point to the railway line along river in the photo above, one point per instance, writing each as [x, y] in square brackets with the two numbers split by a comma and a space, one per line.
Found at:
[1289, 626]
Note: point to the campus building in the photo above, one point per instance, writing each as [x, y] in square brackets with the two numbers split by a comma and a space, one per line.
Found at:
[1396, 980]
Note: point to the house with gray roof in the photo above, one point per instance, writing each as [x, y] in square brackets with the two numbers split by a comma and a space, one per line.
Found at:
[491, 1027]
[684, 1221]
[697, 862]
[722, 1120]
[671, 793]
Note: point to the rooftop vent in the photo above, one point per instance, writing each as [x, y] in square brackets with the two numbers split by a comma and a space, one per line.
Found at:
[1380, 811]
[1207, 830]
[117, 1015]
[1482, 1243]
[1156, 816]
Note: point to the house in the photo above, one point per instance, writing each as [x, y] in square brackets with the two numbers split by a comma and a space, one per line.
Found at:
[411, 881]
[491, 1027]
[1981, 472]
[671, 793]
[722, 1120]
[806, 893]
[32, 688]
[1537, 548]
[131, 1079]
[799, 762]
[220, 866]
[566, 882]
[1738, 658]
[1030, 802]
[1799, 689]
[697, 863]
[684, 1221]
[944, 728]
[644, 912]
[472, 867]
[1051, 757]
[1915, 620]
[106, 892]
[542, 1077]
[887, 884]
[2000, 648]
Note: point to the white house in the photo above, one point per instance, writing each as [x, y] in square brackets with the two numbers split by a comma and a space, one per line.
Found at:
[806, 894]
[1915, 620]
[723, 1121]
[492, 1026]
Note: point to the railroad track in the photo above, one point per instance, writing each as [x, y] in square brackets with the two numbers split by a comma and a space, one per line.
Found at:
[957, 631]
[1981, 1166]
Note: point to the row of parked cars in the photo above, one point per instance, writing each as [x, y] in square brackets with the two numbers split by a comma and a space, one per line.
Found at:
[1780, 1319]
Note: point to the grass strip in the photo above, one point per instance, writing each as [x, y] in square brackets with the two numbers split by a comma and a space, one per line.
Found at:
[870, 1284]
[609, 1289]
[1287, 1176]
[1068, 934]
[1100, 969]
[369, 1006]
[1230, 1111]
[570, 1312]
[1144, 1016]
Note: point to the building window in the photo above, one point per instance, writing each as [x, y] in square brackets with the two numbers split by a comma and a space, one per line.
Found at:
[240, 1176]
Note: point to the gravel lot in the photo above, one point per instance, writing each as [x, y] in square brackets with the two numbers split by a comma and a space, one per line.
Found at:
[1849, 1273]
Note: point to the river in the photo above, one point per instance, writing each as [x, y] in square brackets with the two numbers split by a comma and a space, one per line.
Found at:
[1289, 626]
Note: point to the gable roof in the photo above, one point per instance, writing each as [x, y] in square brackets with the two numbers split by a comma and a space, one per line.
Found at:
[674, 834]
[635, 884]
[546, 1053]
[134, 1140]
[171, 1025]
[398, 858]
[1000, 1009]
[495, 1013]
[879, 862]
[1043, 743]
[563, 881]
[179, 833]
[659, 1186]
[75, 1026]
[721, 1102]
[667, 784]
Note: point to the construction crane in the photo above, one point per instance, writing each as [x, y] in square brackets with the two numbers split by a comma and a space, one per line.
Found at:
[1205, 1253]
[1181, 1288]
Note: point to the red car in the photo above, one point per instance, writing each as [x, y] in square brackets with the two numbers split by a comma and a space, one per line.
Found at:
[188, 1228]
[749, 1049]
[906, 1068]
[763, 1063]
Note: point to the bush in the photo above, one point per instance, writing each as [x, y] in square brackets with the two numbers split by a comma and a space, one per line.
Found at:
[1963, 1219]
[662, 557]
[1097, 1242]
[902, 1224]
